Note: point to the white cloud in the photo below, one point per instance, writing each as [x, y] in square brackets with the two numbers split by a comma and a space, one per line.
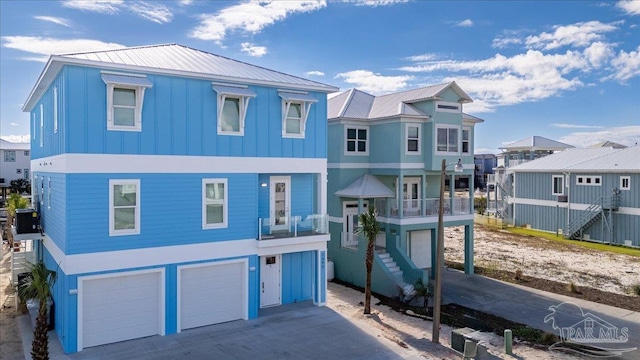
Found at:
[376, 3]
[465, 23]
[249, 17]
[48, 46]
[253, 50]
[630, 7]
[580, 34]
[186, 2]
[504, 42]
[598, 53]
[576, 126]
[422, 57]
[157, 13]
[374, 83]
[14, 124]
[55, 20]
[99, 6]
[154, 12]
[625, 135]
[315, 73]
[16, 138]
[626, 65]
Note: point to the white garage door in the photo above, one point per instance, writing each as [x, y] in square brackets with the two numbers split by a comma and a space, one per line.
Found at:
[118, 308]
[420, 247]
[212, 294]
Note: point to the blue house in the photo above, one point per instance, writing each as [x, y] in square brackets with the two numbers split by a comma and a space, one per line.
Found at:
[386, 151]
[589, 194]
[177, 189]
[484, 166]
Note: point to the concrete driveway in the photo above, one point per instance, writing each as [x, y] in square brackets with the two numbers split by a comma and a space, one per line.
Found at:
[301, 331]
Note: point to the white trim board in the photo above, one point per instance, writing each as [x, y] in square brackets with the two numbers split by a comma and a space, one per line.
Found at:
[425, 220]
[365, 165]
[574, 206]
[135, 164]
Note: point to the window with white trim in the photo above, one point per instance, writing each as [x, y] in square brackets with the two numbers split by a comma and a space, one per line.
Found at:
[625, 182]
[466, 140]
[356, 140]
[214, 203]
[125, 96]
[447, 139]
[9, 156]
[49, 193]
[412, 145]
[557, 185]
[26, 174]
[296, 107]
[124, 207]
[41, 125]
[232, 105]
[55, 109]
[446, 106]
[589, 180]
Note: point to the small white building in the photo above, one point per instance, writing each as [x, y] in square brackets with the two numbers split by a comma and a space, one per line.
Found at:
[14, 161]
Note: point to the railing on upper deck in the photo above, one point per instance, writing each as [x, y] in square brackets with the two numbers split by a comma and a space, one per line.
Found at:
[293, 226]
[424, 207]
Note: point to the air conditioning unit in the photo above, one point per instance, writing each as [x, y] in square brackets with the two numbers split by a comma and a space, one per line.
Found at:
[26, 221]
[562, 198]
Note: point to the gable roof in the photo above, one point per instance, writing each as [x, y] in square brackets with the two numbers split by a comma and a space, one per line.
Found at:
[597, 160]
[357, 104]
[172, 59]
[533, 143]
[366, 187]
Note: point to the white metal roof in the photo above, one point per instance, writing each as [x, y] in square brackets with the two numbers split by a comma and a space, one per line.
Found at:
[366, 187]
[293, 96]
[533, 143]
[126, 80]
[8, 145]
[233, 90]
[595, 160]
[173, 59]
[356, 104]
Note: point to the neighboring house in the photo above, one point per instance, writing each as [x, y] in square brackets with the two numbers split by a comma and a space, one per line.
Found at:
[609, 144]
[590, 194]
[484, 165]
[499, 190]
[177, 189]
[387, 151]
[15, 162]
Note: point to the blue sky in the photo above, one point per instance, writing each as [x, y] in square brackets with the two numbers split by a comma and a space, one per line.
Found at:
[569, 71]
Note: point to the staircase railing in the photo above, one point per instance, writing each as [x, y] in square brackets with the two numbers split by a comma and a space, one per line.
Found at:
[587, 217]
[502, 206]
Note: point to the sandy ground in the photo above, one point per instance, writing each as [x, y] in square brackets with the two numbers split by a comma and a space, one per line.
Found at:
[10, 342]
[414, 333]
[546, 259]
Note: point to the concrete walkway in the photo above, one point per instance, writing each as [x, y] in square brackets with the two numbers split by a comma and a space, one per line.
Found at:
[301, 331]
[530, 307]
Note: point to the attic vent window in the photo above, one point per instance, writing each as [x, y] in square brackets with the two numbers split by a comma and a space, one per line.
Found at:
[589, 180]
[444, 106]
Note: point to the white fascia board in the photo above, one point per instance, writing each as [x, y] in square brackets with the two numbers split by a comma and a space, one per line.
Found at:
[140, 164]
[412, 166]
[382, 120]
[186, 74]
[146, 257]
[45, 79]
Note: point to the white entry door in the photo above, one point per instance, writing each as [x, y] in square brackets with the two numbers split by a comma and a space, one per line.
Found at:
[420, 248]
[280, 202]
[270, 270]
[411, 196]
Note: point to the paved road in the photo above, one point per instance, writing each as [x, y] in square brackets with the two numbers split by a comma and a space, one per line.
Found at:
[531, 307]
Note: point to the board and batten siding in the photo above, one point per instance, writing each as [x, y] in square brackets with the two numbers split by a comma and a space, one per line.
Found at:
[297, 276]
[179, 118]
[53, 214]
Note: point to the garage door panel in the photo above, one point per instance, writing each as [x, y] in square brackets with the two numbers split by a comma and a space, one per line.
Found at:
[212, 294]
[121, 308]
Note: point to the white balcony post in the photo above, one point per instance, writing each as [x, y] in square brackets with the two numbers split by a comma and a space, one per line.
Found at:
[295, 226]
[259, 228]
[322, 192]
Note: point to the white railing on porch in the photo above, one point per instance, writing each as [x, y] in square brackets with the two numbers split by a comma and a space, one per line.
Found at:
[424, 207]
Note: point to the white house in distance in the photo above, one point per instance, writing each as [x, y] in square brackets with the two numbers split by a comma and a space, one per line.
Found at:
[14, 161]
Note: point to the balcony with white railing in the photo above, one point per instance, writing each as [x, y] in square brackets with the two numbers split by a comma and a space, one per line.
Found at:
[515, 162]
[424, 207]
[293, 226]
